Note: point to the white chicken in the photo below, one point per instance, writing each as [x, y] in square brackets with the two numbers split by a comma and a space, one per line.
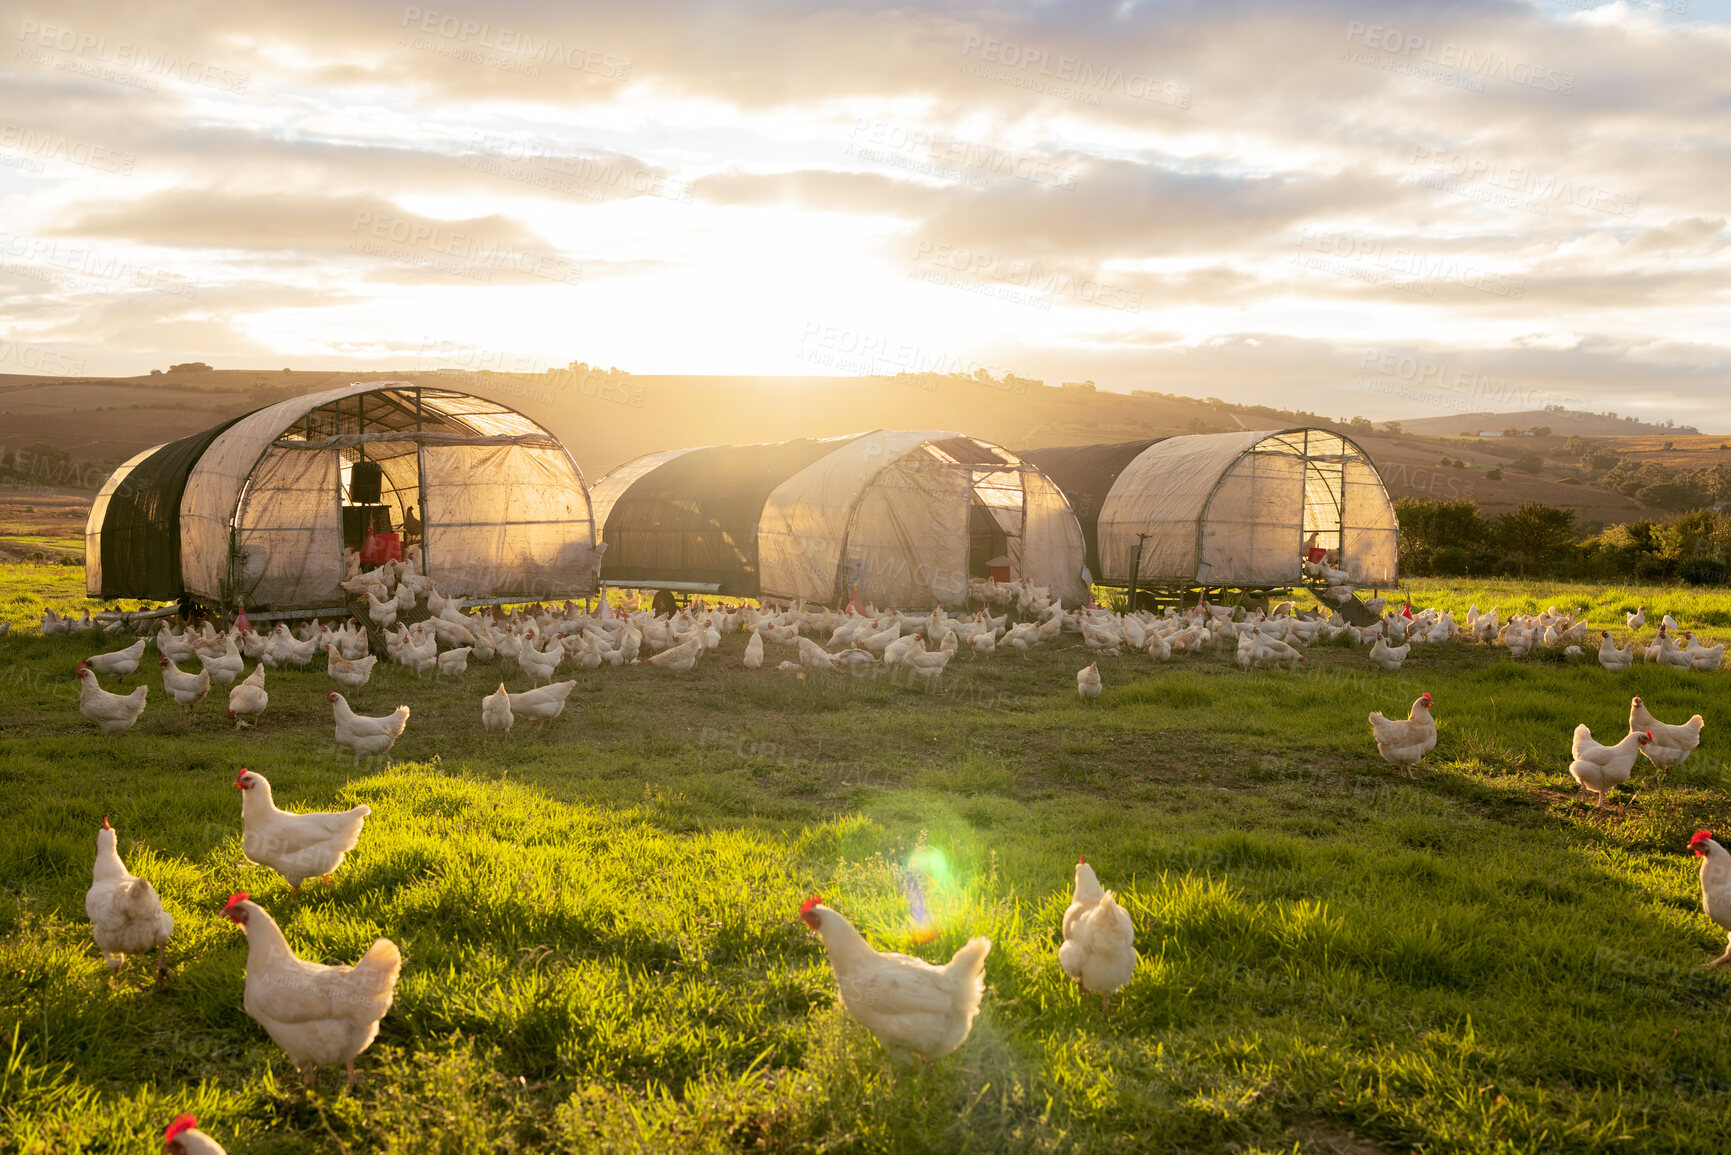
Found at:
[186, 689]
[1099, 948]
[813, 656]
[321, 1016]
[112, 713]
[1088, 681]
[184, 1138]
[296, 846]
[225, 667]
[246, 702]
[1601, 768]
[1637, 619]
[455, 661]
[1386, 657]
[1404, 743]
[365, 736]
[383, 611]
[1672, 742]
[541, 665]
[496, 715]
[540, 705]
[913, 1007]
[119, 663]
[1715, 886]
[678, 658]
[126, 916]
[1613, 659]
[350, 675]
[754, 650]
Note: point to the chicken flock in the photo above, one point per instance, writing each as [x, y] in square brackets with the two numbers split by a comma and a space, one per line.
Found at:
[322, 1015]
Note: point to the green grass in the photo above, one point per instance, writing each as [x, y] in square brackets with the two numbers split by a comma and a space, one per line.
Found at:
[598, 920]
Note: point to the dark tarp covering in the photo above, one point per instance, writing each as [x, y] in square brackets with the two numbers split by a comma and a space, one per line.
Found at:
[695, 518]
[141, 528]
[1086, 473]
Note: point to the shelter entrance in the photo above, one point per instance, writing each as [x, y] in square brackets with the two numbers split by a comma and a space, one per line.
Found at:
[952, 511]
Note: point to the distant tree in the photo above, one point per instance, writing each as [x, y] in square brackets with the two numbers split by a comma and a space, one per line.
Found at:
[1530, 463]
[1392, 428]
[1360, 425]
[1428, 525]
[190, 367]
[1666, 446]
[1533, 537]
[1493, 474]
[1540, 431]
[1671, 495]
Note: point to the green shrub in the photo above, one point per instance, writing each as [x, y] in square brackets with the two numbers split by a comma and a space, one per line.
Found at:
[1452, 560]
[1703, 571]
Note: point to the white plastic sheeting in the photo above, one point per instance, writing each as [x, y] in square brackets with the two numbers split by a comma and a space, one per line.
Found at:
[805, 520]
[93, 523]
[504, 509]
[892, 510]
[611, 487]
[1236, 509]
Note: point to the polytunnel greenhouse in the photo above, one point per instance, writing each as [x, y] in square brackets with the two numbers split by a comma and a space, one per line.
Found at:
[899, 518]
[1238, 509]
[261, 510]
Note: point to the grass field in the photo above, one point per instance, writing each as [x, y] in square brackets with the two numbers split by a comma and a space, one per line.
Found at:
[599, 920]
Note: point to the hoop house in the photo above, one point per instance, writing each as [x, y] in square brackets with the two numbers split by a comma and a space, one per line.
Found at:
[903, 518]
[259, 510]
[1228, 509]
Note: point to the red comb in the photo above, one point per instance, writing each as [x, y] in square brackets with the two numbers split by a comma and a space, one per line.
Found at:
[182, 1123]
[809, 903]
[1700, 836]
[238, 775]
[1081, 860]
[105, 825]
[235, 900]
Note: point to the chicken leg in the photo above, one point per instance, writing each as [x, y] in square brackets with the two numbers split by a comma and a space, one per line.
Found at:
[354, 1077]
[310, 1076]
[162, 964]
[1715, 964]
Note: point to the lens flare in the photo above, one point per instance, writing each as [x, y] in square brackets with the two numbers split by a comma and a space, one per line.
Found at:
[925, 866]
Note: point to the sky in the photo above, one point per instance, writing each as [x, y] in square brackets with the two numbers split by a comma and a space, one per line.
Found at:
[1366, 209]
